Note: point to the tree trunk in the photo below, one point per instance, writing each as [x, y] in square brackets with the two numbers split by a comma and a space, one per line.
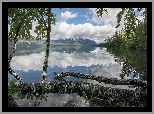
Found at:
[47, 47]
[10, 57]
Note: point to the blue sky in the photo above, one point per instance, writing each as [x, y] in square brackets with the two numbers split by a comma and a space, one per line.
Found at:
[84, 23]
[81, 15]
[79, 11]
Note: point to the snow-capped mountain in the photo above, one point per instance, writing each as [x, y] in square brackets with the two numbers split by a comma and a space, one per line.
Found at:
[73, 42]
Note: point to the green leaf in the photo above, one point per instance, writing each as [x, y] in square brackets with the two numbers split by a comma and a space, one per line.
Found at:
[100, 11]
[25, 16]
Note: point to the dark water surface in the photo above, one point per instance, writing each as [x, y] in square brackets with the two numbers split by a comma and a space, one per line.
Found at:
[28, 62]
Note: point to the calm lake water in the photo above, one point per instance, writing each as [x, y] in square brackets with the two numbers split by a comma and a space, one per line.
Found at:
[28, 62]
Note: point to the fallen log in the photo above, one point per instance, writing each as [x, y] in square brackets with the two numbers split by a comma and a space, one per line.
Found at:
[113, 81]
[87, 90]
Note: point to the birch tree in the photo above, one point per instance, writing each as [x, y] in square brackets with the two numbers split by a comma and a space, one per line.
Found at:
[20, 21]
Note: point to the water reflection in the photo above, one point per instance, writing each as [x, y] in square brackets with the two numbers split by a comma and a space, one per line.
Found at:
[134, 62]
[97, 62]
[57, 100]
[28, 63]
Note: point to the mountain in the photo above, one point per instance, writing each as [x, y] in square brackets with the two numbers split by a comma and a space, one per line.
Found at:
[73, 42]
[67, 46]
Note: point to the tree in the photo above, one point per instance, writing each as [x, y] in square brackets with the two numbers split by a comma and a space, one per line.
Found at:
[20, 20]
[130, 15]
[134, 35]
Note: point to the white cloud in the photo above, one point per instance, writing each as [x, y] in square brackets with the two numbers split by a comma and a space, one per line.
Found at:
[86, 16]
[98, 33]
[112, 12]
[87, 30]
[66, 15]
[64, 30]
[88, 19]
[109, 19]
[34, 24]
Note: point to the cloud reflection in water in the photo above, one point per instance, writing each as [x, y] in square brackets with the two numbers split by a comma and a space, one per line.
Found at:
[97, 62]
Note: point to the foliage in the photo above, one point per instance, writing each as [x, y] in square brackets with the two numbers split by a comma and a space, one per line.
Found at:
[102, 96]
[133, 35]
[25, 17]
[88, 99]
[91, 92]
[12, 90]
[132, 58]
[130, 14]
[136, 39]
[16, 92]
[20, 21]
[100, 11]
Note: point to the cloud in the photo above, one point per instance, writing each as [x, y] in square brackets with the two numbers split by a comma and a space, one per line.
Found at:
[66, 15]
[64, 30]
[105, 25]
[86, 16]
[111, 17]
[34, 24]
[98, 33]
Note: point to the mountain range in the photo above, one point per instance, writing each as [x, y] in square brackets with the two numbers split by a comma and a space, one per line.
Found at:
[79, 42]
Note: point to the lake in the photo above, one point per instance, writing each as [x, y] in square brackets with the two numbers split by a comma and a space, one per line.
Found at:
[28, 62]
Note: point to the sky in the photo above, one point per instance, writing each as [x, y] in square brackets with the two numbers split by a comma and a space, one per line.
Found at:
[84, 23]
